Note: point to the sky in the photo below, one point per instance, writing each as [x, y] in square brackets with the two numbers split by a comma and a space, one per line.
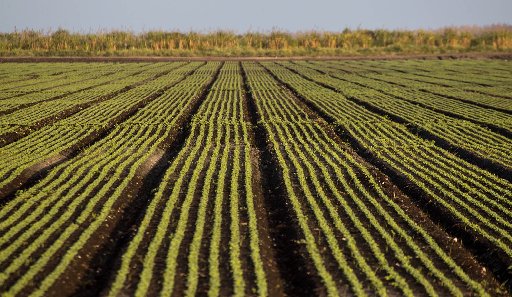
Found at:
[242, 15]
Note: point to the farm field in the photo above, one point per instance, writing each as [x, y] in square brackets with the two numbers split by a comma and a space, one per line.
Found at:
[256, 178]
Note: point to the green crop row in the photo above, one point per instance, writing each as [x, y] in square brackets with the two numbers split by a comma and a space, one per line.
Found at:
[80, 196]
[475, 198]
[487, 77]
[201, 232]
[455, 93]
[36, 113]
[496, 70]
[62, 73]
[58, 86]
[460, 133]
[413, 78]
[324, 186]
[91, 85]
[218, 149]
[438, 103]
[54, 140]
[25, 73]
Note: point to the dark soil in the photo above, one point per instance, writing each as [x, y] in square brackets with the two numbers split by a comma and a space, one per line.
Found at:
[318, 58]
[298, 275]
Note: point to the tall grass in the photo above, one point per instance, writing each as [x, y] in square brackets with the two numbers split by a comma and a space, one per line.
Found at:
[274, 43]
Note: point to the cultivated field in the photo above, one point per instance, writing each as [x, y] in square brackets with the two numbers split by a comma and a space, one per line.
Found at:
[298, 178]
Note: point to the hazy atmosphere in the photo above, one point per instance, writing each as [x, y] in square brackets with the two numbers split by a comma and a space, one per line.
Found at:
[241, 16]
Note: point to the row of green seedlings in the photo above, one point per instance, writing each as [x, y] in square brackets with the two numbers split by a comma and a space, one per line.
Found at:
[466, 75]
[39, 74]
[438, 87]
[96, 115]
[435, 102]
[31, 71]
[495, 118]
[79, 198]
[54, 140]
[479, 82]
[91, 77]
[460, 133]
[300, 145]
[484, 76]
[24, 72]
[465, 79]
[469, 92]
[57, 85]
[446, 91]
[476, 198]
[19, 101]
[219, 147]
[422, 73]
[11, 99]
[422, 65]
[35, 113]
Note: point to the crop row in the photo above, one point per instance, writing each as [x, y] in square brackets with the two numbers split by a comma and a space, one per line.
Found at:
[438, 87]
[426, 72]
[497, 67]
[466, 75]
[406, 79]
[485, 79]
[348, 223]
[459, 133]
[64, 219]
[198, 235]
[145, 179]
[47, 112]
[476, 199]
[13, 74]
[55, 86]
[35, 74]
[87, 84]
[492, 118]
[53, 142]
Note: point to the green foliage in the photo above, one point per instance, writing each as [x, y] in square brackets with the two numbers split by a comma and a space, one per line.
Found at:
[356, 234]
[417, 98]
[476, 198]
[216, 149]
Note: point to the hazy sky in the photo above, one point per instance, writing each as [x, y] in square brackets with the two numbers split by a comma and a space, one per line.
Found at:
[243, 15]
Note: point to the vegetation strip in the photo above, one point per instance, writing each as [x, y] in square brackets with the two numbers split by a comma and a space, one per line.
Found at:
[50, 145]
[459, 137]
[450, 42]
[96, 223]
[220, 125]
[416, 172]
[39, 117]
[279, 144]
[497, 122]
